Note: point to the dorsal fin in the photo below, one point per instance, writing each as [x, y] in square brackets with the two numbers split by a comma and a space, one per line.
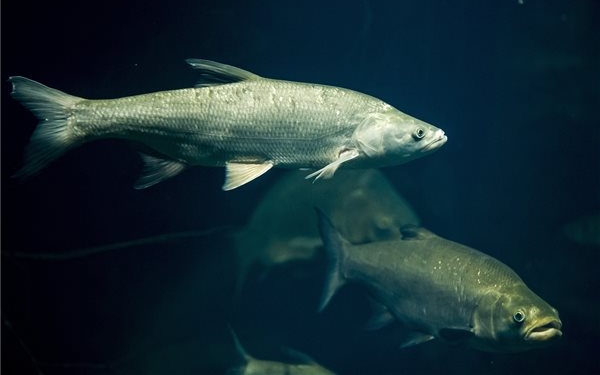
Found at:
[214, 73]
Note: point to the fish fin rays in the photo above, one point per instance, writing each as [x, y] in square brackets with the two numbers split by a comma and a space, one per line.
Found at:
[415, 338]
[54, 134]
[214, 73]
[157, 170]
[238, 174]
[329, 170]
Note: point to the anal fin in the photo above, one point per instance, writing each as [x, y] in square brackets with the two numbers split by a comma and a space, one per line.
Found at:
[238, 174]
[157, 170]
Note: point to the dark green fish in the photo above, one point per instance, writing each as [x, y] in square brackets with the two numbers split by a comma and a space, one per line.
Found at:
[438, 288]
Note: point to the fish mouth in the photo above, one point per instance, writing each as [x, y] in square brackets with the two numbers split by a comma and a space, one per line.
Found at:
[438, 141]
[551, 330]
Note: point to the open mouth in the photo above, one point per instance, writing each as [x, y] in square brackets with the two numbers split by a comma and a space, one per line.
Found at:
[437, 141]
[548, 331]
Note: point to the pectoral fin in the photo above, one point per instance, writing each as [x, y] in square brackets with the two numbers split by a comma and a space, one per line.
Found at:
[157, 170]
[415, 338]
[238, 174]
[328, 171]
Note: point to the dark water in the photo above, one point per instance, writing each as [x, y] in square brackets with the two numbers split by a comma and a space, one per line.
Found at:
[515, 86]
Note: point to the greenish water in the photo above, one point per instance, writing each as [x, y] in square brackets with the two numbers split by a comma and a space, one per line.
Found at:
[513, 84]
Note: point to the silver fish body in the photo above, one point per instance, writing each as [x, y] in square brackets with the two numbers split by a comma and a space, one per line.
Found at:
[235, 119]
[436, 288]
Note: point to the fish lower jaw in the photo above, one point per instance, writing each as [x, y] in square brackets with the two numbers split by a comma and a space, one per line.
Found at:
[550, 331]
[546, 335]
[438, 142]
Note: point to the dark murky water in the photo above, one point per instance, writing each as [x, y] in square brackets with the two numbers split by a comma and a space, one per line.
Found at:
[515, 85]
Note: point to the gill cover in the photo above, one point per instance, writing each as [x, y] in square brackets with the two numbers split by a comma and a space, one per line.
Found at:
[370, 134]
[393, 135]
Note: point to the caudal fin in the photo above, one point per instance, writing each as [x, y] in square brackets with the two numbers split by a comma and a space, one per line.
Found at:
[53, 135]
[335, 246]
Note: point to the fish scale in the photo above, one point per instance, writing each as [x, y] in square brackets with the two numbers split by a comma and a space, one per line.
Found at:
[218, 123]
[433, 287]
[234, 119]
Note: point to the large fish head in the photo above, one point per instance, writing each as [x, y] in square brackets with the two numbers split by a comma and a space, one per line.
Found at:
[518, 320]
[392, 137]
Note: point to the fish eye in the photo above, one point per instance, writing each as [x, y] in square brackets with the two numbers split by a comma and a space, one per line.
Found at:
[419, 134]
[519, 316]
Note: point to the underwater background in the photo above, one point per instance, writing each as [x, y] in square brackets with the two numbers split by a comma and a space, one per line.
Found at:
[514, 84]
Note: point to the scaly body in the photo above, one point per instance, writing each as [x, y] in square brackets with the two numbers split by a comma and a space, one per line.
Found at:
[235, 119]
[292, 124]
[438, 288]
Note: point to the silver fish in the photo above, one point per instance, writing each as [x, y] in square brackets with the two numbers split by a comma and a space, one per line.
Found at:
[234, 119]
[434, 287]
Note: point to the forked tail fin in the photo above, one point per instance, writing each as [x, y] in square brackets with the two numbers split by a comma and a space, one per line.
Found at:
[53, 136]
[335, 249]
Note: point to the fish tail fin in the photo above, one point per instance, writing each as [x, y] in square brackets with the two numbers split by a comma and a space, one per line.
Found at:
[335, 248]
[53, 136]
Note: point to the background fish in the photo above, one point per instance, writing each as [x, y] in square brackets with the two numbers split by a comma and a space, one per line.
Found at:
[439, 288]
[248, 365]
[365, 205]
[234, 119]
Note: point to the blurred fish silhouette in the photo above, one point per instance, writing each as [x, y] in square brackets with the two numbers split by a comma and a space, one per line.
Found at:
[363, 202]
[233, 119]
[248, 365]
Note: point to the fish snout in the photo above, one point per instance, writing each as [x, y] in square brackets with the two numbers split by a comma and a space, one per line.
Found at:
[550, 330]
[438, 139]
